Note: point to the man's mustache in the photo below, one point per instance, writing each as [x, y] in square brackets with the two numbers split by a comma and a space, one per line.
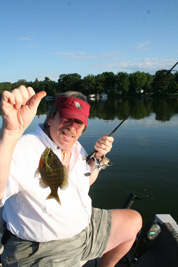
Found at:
[67, 131]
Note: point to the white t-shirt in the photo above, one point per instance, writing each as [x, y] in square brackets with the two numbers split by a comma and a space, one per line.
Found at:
[27, 212]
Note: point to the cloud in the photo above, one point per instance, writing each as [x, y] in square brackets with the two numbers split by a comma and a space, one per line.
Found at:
[32, 46]
[69, 55]
[114, 61]
[83, 56]
[25, 38]
[150, 65]
[143, 46]
[115, 53]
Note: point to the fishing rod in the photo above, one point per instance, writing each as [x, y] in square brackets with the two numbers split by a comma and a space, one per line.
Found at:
[91, 155]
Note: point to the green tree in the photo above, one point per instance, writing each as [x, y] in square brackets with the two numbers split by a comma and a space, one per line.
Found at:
[88, 85]
[99, 83]
[148, 83]
[122, 82]
[49, 86]
[109, 81]
[176, 77]
[38, 85]
[5, 86]
[137, 82]
[20, 82]
[69, 82]
[161, 82]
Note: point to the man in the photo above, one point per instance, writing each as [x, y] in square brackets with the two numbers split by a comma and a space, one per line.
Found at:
[41, 232]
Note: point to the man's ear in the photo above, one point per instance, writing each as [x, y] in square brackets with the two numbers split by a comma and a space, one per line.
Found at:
[49, 122]
[84, 129]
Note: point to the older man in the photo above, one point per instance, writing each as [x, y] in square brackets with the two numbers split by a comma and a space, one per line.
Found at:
[40, 231]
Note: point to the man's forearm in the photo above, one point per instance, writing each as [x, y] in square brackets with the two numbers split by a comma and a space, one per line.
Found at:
[8, 142]
[94, 172]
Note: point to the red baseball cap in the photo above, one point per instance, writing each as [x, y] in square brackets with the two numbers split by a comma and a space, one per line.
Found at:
[73, 108]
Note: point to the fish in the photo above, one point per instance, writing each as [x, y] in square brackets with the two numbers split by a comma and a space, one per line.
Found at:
[53, 173]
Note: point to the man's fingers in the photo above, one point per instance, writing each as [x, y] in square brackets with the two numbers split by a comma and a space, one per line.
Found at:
[7, 97]
[105, 142]
[21, 96]
[35, 99]
[30, 91]
[25, 94]
[30, 97]
[18, 97]
[103, 146]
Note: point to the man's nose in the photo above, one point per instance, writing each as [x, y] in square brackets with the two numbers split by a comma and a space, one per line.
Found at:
[71, 123]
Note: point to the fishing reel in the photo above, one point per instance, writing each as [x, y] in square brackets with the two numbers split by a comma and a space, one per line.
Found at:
[101, 164]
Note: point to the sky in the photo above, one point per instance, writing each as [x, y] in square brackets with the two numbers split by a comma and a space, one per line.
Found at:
[47, 38]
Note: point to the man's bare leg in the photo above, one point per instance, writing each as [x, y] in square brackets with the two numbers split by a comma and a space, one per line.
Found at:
[125, 226]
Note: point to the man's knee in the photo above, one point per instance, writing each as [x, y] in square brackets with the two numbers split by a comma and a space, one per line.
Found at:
[137, 222]
[127, 222]
[138, 219]
[124, 228]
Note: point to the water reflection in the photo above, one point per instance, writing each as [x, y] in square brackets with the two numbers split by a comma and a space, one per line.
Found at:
[119, 108]
[164, 108]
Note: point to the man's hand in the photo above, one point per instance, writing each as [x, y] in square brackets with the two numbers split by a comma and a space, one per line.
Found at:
[103, 146]
[19, 107]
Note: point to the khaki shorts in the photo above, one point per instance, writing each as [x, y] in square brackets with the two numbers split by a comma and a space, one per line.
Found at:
[89, 244]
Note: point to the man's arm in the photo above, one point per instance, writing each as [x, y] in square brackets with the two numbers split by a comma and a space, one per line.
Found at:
[102, 146]
[19, 107]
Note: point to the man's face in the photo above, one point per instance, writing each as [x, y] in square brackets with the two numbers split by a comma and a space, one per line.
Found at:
[65, 132]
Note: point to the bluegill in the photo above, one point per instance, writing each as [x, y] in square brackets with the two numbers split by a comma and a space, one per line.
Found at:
[53, 173]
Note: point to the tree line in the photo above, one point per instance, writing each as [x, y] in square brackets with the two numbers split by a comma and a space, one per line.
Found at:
[112, 84]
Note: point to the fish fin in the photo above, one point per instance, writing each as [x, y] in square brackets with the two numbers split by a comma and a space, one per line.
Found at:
[40, 162]
[36, 175]
[56, 197]
[42, 184]
[64, 184]
[37, 172]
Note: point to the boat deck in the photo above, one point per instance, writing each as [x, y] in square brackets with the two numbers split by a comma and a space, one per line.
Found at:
[163, 252]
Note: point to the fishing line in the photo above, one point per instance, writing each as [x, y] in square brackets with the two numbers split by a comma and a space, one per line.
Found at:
[134, 108]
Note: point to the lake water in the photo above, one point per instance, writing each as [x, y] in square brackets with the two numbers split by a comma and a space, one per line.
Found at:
[144, 154]
[145, 162]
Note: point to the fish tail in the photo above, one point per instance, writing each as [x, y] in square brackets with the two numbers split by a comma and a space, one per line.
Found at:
[56, 197]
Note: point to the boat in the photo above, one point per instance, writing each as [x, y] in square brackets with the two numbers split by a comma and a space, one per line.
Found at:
[49, 98]
[103, 96]
[156, 244]
[93, 97]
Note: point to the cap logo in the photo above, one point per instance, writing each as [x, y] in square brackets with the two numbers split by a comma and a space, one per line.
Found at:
[77, 104]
